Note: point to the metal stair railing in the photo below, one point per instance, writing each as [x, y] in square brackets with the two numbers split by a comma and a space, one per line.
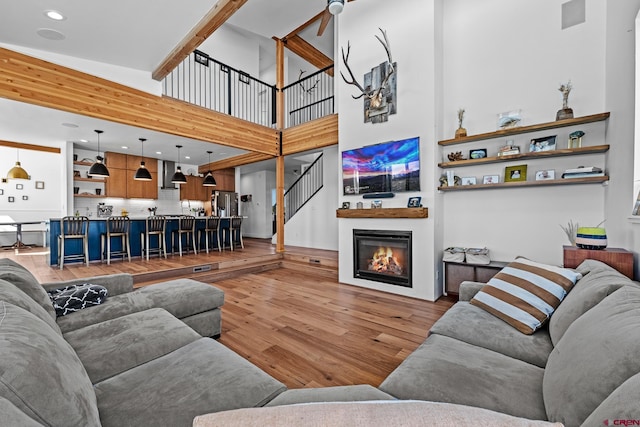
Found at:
[304, 188]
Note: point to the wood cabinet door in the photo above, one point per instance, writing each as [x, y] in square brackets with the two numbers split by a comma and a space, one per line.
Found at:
[142, 189]
[116, 184]
[115, 160]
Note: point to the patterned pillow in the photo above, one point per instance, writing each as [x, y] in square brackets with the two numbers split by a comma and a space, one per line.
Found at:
[525, 293]
[76, 297]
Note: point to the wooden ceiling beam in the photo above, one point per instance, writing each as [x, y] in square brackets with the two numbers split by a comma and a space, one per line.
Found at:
[232, 162]
[306, 51]
[23, 146]
[213, 20]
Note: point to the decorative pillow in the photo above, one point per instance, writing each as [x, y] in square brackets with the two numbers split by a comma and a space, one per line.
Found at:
[76, 297]
[525, 293]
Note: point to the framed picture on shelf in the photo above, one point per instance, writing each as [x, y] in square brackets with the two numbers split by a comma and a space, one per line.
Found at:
[547, 143]
[510, 119]
[515, 173]
[414, 202]
[468, 180]
[376, 204]
[478, 153]
[543, 175]
[346, 205]
[491, 179]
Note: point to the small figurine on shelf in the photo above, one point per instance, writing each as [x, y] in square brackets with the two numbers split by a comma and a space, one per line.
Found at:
[460, 132]
[565, 112]
[575, 139]
[454, 157]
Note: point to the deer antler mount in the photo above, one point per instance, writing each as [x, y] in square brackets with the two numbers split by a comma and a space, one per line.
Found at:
[379, 91]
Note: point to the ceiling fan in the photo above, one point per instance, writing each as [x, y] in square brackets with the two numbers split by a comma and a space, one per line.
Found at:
[334, 7]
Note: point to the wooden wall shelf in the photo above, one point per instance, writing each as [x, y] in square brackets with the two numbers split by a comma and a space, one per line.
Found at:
[529, 155]
[96, 180]
[502, 185]
[383, 213]
[525, 129]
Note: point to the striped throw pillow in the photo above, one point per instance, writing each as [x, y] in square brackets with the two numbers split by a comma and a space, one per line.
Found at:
[525, 293]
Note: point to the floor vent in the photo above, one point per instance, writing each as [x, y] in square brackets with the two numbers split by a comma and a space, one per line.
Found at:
[201, 268]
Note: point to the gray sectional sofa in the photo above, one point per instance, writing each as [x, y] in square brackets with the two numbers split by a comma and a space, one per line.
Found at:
[140, 359]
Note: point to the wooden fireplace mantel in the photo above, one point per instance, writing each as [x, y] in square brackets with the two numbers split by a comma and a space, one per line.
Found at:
[383, 213]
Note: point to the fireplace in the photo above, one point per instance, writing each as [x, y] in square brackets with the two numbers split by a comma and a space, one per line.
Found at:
[382, 256]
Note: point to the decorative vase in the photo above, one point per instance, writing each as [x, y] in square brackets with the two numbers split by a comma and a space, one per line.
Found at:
[461, 132]
[591, 238]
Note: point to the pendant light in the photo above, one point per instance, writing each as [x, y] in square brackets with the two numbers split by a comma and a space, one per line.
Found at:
[178, 177]
[17, 172]
[209, 180]
[142, 174]
[98, 168]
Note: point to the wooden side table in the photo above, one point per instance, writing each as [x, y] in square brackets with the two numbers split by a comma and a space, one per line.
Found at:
[620, 259]
[457, 272]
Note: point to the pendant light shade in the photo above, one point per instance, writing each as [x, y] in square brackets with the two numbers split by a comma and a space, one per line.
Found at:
[178, 177]
[209, 180]
[98, 168]
[142, 174]
[17, 172]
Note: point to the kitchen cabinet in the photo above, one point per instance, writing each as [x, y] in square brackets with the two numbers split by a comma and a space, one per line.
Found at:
[122, 168]
[225, 179]
[193, 189]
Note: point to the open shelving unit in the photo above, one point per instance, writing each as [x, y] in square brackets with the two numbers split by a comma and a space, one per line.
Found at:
[596, 149]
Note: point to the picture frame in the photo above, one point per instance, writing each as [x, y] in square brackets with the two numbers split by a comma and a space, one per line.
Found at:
[469, 180]
[39, 185]
[25, 197]
[1, 192]
[515, 173]
[414, 202]
[491, 179]
[546, 143]
[376, 204]
[543, 175]
[478, 153]
[19, 186]
[509, 119]
[12, 199]
[346, 205]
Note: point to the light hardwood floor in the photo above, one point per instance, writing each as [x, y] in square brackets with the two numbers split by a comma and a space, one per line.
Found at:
[288, 315]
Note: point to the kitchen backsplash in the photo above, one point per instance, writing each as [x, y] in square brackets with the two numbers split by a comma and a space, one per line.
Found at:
[137, 207]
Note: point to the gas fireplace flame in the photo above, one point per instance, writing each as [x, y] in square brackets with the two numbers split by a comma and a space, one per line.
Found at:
[384, 262]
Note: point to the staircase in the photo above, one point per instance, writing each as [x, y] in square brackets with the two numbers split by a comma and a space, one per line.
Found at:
[305, 187]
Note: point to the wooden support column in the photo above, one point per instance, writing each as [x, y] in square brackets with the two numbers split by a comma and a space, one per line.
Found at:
[280, 158]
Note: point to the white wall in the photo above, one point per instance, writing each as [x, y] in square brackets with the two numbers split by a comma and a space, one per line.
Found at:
[41, 204]
[413, 34]
[258, 222]
[315, 225]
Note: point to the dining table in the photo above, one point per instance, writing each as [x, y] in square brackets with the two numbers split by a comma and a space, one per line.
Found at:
[18, 244]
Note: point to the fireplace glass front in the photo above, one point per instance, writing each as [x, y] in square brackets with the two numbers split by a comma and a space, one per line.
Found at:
[382, 256]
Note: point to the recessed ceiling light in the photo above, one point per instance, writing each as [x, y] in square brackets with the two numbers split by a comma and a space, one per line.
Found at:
[49, 34]
[84, 140]
[124, 147]
[158, 152]
[70, 125]
[55, 15]
[187, 157]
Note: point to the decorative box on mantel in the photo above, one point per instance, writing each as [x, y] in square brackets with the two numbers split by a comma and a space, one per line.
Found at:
[383, 213]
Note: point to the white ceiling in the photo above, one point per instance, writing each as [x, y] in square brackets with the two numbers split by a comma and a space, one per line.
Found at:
[135, 34]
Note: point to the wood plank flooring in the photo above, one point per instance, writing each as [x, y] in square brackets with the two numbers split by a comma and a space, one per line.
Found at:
[293, 320]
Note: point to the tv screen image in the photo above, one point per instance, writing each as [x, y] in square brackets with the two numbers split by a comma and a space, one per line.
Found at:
[389, 167]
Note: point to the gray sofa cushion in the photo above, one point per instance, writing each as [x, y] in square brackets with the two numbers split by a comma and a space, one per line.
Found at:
[595, 356]
[14, 417]
[199, 378]
[13, 295]
[348, 393]
[16, 274]
[109, 348]
[599, 281]
[113, 307]
[40, 373]
[622, 404]
[473, 325]
[183, 297]
[444, 369]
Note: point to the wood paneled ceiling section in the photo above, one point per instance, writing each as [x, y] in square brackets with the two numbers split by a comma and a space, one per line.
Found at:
[31, 80]
[217, 16]
[232, 162]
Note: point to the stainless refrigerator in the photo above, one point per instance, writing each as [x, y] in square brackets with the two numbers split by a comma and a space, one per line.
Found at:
[224, 203]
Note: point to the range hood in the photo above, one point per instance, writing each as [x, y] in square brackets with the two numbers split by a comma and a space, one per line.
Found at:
[168, 169]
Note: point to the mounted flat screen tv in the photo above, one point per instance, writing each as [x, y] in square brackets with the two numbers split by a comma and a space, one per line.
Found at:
[389, 167]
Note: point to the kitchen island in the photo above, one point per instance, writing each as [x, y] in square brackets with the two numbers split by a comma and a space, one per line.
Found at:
[98, 226]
